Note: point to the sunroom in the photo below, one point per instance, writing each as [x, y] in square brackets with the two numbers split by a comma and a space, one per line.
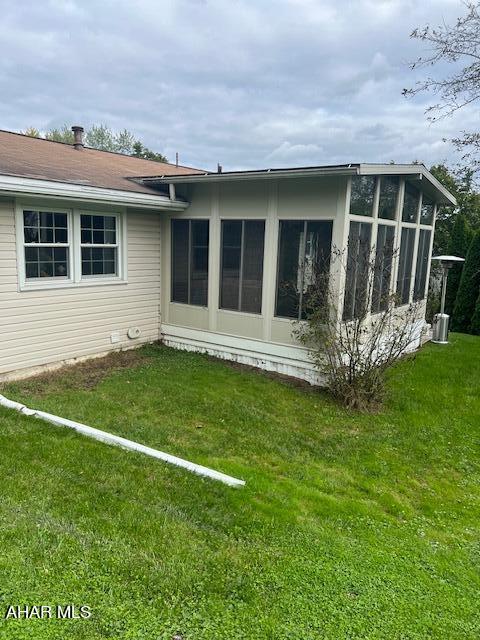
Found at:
[238, 264]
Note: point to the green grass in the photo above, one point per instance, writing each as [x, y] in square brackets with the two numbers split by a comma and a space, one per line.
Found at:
[350, 525]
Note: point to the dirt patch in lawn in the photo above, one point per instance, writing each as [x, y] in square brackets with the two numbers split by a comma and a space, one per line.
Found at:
[83, 375]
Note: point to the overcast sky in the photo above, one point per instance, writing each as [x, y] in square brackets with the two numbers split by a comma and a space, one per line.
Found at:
[247, 83]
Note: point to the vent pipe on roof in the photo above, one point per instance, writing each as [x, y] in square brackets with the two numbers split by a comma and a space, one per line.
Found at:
[77, 137]
[176, 159]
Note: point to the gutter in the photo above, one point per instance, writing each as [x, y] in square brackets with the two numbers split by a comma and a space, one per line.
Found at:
[411, 171]
[18, 186]
[263, 174]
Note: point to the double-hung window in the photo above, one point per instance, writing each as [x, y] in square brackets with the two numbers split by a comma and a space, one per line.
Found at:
[46, 241]
[63, 248]
[242, 265]
[99, 245]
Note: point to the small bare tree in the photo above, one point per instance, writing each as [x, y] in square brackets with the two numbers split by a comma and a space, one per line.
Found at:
[456, 44]
[354, 351]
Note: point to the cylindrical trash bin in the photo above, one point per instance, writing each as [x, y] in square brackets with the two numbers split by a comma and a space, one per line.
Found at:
[440, 328]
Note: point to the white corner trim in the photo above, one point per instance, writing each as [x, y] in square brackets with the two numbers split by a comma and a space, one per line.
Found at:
[108, 438]
[48, 188]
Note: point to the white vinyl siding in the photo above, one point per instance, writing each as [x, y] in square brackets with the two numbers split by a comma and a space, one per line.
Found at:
[46, 326]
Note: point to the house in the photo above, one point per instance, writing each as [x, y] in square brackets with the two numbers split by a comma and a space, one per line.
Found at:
[101, 251]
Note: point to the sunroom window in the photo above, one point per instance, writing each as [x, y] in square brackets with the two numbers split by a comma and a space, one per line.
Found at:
[190, 240]
[426, 210]
[387, 204]
[242, 265]
[383, 267]
[411, 201]
[362, 195]
[46, 244]
[405, 263]
[422, 264]
[303, 266]
[358, 266]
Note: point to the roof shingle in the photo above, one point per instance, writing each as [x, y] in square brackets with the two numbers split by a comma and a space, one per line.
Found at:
[41, 159]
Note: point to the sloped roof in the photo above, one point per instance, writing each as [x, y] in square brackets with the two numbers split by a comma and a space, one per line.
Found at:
[28, 157]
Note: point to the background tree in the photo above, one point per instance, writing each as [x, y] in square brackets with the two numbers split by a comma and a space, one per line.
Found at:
[102, 137]
[64, 134]
[475, 328]
[469, 288]
[453, 231]
[32, 132]
[139, 151]
[461, 184]
[124, 142]
[456, 45]
[460, 240]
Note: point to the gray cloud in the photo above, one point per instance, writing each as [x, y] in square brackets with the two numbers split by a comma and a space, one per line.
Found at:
[249, 83]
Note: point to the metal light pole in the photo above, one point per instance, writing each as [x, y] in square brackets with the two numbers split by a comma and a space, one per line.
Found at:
[441, 320]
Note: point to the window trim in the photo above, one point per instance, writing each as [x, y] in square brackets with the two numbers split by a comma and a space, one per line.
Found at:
[75, 259]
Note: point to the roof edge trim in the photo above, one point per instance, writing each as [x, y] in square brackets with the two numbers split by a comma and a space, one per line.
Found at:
[48, 188]
[417, 171]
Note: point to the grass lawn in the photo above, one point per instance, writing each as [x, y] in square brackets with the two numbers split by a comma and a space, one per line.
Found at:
[350, 526]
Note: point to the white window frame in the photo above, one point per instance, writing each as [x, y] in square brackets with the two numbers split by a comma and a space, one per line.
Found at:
[117, 245]
[74, 245]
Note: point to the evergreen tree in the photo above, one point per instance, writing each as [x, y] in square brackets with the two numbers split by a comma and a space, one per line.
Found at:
[460, 183]
[139, 151]
[475, 328]
[469, 288]
[460, 239]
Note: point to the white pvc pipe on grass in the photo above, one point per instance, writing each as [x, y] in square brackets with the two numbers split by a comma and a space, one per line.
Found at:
[118, 441]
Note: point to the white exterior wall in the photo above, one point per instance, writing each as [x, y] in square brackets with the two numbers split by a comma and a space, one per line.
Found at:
[260, 340]
[47, 326]
[50, 326]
